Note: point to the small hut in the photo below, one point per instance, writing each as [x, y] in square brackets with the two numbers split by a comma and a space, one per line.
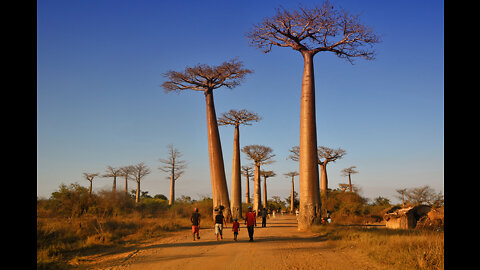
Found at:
[405, 218]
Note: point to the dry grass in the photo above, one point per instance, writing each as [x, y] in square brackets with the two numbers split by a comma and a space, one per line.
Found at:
[396, 249]
[62, 238]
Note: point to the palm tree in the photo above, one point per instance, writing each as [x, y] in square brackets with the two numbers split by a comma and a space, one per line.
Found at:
[292, 175]
[266, 174]
[260, 155]
[237, 118]
[309, 31]
[206, 79]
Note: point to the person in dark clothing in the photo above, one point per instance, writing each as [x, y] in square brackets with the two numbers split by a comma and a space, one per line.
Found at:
[195, 219]
[250, 221]
[264, 217]
[219, 221]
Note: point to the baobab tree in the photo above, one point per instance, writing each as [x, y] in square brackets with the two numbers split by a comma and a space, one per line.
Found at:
[402, 193]
[236, 118]
[126, 171]
[90, 177]
[310, 31]
[138, 172]
[113, 172]
[348, 172]
[266, 175]
[247, 172]
[292, 175]
[175, 167]
[260, 155]
[328, 155]
[206, 79]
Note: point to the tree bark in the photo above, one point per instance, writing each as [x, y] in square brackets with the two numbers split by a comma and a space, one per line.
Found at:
[257, 200]
[323, 180]
[350, 182]
[292, 196]
[114, 189]
[309, 186]
[265, 192]
[236, 201]
[137, 198]
[171, 199]
[90, 189]
[126, 185]
[217, 170]
[247, 191]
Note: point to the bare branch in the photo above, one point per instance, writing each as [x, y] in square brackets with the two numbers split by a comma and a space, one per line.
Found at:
[173, 164]
[321, 28]
[236, 118]
[203, 77]
[258, 153]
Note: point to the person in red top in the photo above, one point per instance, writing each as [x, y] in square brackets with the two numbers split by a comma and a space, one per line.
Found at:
[235, 228]
[250, 221]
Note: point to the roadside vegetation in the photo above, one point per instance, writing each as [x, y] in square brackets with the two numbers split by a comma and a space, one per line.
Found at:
[72, 221]
[396, 249]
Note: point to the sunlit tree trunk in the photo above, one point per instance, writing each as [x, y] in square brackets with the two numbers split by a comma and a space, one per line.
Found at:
[217, 171]
[309, 186]
[292, 196]
[236, 177]
[171, 199]
[265, 192]
[137, 195]
[257, 200]
[323, 180]
[247, 191]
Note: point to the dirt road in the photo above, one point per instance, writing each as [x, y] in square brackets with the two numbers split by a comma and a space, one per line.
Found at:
[278, 246]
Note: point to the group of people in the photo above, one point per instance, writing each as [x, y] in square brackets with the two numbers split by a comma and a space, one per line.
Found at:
[250, 221]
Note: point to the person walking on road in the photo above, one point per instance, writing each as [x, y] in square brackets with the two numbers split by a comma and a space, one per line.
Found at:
[250, 221]
[195, 219]
[219, 221]
[235, 228]
[264, 217]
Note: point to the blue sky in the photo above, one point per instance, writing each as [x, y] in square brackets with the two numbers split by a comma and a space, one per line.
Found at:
[99, 100]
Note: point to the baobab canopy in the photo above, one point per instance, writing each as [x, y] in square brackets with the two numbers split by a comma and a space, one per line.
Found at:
[317, 29]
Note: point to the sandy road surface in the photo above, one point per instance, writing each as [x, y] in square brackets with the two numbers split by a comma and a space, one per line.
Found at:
[278, 246]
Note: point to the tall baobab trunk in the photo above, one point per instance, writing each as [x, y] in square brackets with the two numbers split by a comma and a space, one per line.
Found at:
[292, 196]
[137, 195]
[236, 205]
[257, 200]
[323, 180]
[217, 170]
[350, 182]
[126, 185]
[90, 188]
[247, 191]
[171, 199]
[114, 188]
[309, 187]
[265, 192]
